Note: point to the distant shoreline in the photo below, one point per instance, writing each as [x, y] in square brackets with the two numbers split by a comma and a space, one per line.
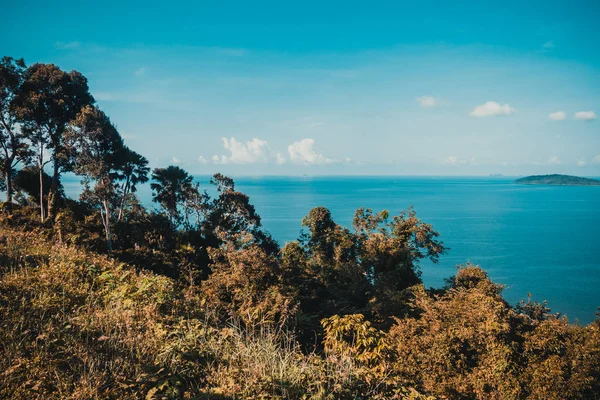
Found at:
[557, 180]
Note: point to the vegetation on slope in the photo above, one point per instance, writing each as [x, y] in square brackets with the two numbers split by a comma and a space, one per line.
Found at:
[76, 324]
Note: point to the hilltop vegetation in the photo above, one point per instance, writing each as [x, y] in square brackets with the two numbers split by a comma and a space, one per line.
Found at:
[564, 180]
[77, 324]
[103, 298]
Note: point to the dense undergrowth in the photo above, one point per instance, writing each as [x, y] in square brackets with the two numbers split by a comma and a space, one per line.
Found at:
[76, 324]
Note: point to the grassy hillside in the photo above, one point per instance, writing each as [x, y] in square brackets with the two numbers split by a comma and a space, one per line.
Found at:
[80, 325]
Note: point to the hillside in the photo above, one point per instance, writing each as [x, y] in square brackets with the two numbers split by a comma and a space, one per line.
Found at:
[77, 324]
[555, 179]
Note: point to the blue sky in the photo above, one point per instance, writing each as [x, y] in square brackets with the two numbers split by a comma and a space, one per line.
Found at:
[443, 88]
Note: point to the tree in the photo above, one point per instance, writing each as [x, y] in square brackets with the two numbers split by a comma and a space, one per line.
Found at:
[196, 208]
[13, 147]
[231, 213]
[321, 238]
[94, 145]
[133, 170]
[390, 251]
[48, 100]
[368, 270]
[171, 188]
[336, 282]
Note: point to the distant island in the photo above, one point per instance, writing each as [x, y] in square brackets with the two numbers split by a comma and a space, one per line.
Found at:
[555, 179]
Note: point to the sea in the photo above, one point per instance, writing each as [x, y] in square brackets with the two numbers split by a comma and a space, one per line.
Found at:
[533, 239]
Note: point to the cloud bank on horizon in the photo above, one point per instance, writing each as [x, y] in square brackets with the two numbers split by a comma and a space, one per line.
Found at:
[257, 151]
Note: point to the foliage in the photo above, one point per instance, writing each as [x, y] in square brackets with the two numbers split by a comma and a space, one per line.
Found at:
[367, 271]
[246, 285]
[13, 147]
[82, 325]
[27, 182]
[230, 214]
[132, 172]
[76, 323]
[48, 99]
[361, 354]
[469, 343]
[94, 145]
[171, 187]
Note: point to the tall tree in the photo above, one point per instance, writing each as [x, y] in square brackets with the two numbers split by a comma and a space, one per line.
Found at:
[132, 172]
[390, 250]
[94, 145]
[171, 188]
[196, 208]
[12, 144]
[48, 100]
[368, 270]
[231, 213]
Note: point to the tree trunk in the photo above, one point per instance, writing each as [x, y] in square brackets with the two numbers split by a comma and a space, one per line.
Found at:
[125, 192]
[9, 158]
[53, 192]
[107, 224]
[41, 167]
[9, 190]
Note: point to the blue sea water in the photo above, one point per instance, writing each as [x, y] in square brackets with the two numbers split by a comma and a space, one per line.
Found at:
[542, 240]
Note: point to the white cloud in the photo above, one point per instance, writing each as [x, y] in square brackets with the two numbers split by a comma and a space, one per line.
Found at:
[490, 109]
[215, 159]
[140, 71]
[586, 115]
[202, 160]
[254, 151]
[427, 101]
[596, 160]
[303, 152]
[175, 160]
[581, 162]
[554, 160]
[279, 158]
[558, 116]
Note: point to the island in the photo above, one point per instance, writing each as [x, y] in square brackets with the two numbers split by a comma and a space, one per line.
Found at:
[556, 179]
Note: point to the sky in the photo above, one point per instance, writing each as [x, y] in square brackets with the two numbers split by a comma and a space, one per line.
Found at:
[327, 88]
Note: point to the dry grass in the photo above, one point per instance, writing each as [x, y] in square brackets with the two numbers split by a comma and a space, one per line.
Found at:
[77, 325]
